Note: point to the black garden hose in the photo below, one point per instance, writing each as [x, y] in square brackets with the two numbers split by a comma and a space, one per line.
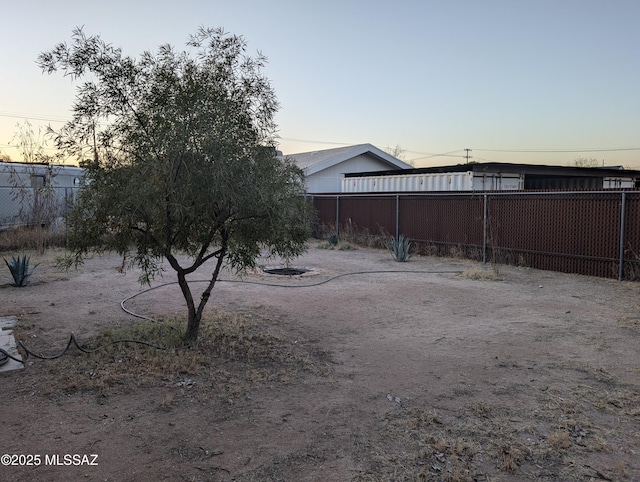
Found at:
[74, 341]
[310, 285]
[4, 356]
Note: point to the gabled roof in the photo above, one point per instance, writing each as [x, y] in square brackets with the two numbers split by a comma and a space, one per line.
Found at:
[316, 161]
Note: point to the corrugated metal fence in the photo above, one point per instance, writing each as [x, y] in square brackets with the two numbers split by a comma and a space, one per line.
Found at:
[595, 233]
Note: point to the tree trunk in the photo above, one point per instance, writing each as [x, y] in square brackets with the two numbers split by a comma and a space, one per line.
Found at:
[193, 327]
[193, 320]
[195, 316]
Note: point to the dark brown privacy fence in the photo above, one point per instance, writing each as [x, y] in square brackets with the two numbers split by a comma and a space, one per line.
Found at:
[594, 233]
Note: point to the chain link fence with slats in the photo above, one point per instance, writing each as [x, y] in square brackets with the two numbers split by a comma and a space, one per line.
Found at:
[594, 233]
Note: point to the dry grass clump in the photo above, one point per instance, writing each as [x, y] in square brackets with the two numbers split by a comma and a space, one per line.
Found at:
[232, 353]
[350, 237]
[559, 440]
[364, 237]
[339, 246]
[628, 321]
[31, 238]
[476, 274]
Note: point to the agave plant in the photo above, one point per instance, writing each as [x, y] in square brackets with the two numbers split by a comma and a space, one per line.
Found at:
[19, 268]
[400, 248]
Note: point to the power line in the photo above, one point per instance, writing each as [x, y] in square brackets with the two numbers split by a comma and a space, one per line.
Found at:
[541, 151]
[424, 155]
[466, 156]
[442, 154]
[18, 115]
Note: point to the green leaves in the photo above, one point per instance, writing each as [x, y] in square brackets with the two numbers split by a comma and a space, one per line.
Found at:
[400, 248]
[182, 149]
[19, 268]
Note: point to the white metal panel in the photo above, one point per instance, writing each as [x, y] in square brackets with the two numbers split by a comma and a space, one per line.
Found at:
[454, 181]
[497, 182]
[459, 181]
[618, 182]
[512, 182]
[451, 181]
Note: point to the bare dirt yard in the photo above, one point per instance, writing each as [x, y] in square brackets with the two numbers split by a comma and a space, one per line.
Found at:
[362, 369]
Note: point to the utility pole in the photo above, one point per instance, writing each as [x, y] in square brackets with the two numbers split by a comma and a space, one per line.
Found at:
[467, 156]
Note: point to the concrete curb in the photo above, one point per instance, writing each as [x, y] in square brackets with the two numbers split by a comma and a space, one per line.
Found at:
[8, 343]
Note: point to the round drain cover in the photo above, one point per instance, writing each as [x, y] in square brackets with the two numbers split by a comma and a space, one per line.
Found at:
[285, 271]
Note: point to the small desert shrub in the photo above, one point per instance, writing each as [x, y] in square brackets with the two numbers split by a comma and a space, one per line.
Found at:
[19, 268]
[400, 248]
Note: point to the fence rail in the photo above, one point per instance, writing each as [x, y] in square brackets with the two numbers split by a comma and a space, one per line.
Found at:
[595, 233]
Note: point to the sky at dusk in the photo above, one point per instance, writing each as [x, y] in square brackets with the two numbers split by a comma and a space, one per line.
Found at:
[533, 81]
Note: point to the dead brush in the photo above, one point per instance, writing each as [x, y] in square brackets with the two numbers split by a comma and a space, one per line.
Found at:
[628, 321]
[31, 238]
[509, 458]
[256, 356]
[350, 237]
[597, 373]
[166, 402]
[559, 441]
[424, 448]
[481, 409]
[457, 448]
[477, 274]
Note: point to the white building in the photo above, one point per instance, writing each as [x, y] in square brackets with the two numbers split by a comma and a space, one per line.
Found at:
[325, 169]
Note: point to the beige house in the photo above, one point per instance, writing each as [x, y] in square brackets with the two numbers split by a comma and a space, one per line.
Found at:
[325, 169]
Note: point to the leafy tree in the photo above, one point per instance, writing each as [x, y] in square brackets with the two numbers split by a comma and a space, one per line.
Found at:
[181, 149]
